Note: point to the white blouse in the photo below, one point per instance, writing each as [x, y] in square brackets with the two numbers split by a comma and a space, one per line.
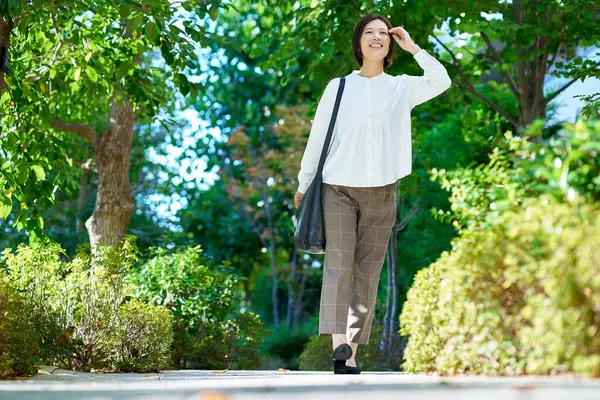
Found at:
[371, 143]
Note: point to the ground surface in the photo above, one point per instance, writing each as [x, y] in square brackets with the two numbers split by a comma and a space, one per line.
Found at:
[54, 383]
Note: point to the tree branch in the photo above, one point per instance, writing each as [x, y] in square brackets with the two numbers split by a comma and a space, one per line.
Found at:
[466, 84]
[559, 91]
[83, 130]
[414, 211]
[500, 62]
[521, 66]
[38, 8]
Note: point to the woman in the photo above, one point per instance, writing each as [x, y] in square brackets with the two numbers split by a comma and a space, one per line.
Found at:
[369, 151]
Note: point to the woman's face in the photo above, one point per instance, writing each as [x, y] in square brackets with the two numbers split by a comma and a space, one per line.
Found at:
[375, 41]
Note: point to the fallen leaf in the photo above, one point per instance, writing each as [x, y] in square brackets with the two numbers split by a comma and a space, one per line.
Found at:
[220, 371]
[212, 396]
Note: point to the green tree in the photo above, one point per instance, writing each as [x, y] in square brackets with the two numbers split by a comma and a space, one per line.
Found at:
[105, 51]
[526, 41]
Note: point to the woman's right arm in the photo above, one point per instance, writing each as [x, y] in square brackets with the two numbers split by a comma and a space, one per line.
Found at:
[316, 138]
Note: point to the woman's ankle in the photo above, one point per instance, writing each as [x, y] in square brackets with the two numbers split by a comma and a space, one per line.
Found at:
[338, 339]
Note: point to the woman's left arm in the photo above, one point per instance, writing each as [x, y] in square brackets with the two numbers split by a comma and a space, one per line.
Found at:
[435, 79]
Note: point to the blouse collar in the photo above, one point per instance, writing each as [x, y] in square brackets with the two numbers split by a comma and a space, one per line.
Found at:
[356, 73]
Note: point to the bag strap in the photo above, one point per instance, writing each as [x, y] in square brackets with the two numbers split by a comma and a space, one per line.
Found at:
[331, 125]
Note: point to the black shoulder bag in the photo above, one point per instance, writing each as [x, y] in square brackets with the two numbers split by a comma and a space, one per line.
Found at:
[309, 235]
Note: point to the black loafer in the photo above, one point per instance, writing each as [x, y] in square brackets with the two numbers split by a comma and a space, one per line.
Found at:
[352, 370]
[340, 355]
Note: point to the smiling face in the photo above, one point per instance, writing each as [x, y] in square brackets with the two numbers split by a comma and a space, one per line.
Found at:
[371, 40]
[375, 40]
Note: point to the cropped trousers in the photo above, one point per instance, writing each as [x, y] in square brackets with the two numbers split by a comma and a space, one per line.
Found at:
[358, 223]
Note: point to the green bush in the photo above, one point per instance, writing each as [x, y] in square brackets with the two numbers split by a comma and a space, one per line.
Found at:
[19, 342]
[34, 273]
[82, 296]
[565, 166]
[142, 338]
[284, 345]
[317, 354]
[521, 297]
[210, 333]
[416, 317]
[76, 310]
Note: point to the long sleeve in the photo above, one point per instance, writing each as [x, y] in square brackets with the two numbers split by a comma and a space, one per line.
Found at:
[432, 83]
[316, 139]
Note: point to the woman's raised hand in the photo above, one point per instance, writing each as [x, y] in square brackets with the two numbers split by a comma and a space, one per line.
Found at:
[403, 39]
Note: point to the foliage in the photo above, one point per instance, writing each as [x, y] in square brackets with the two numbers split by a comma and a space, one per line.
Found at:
[209, 331]
[284, 345]
[142, 338]
[35, 273]
[416, 318]
[317, 42]
[76, 306]
[19, 341]
[69, 55]
[565, 165]
[530, 309]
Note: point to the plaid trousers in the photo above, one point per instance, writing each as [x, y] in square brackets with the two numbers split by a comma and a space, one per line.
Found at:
[358, 224]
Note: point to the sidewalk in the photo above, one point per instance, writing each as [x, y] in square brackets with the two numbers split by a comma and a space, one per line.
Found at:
[60, 384]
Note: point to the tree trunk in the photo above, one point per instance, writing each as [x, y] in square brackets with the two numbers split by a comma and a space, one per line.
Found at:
[290, 285]
[274, 291]
[391, 304]
[394, 312]
[388, 298]
[114, 202]
[6, 26]
[79, 224]
[298, 306]
[246, 296]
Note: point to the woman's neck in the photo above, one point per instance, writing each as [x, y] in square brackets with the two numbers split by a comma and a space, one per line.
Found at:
[371, 69]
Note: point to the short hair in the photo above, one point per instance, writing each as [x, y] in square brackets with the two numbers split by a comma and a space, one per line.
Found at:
[358, 30]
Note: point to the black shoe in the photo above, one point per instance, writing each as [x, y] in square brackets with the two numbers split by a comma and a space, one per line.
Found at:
[352, 370]
[340, 355]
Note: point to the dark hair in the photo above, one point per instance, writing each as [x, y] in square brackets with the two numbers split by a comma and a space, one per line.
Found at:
[358, 30]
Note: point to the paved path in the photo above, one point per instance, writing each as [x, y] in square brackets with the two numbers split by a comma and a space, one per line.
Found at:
[266, 385]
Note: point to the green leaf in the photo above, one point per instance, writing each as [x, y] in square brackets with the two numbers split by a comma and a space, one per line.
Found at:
[124, 10]
[19, 221]
[134, 23]
[184, 85]
[40, 174]
[151, 31]
[91, 73]
[166, 53]
[5, 207]
[23, 174]
[213, 12]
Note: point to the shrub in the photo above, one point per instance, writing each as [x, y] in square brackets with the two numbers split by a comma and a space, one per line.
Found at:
[416, 317]
[19, 342]
[521, 297]
[33, 274]
[203, 299]
[284, 345]
[520, 167]
[142, 338]
[75, 307]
